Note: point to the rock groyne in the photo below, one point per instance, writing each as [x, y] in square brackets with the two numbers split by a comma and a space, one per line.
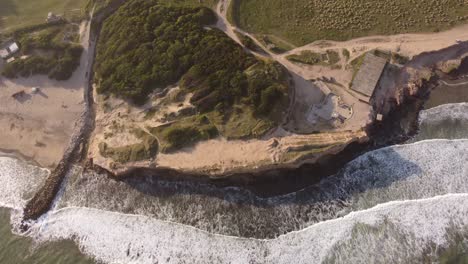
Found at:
[77, 148]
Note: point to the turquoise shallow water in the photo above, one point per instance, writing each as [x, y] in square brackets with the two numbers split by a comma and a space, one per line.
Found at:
[20, 250]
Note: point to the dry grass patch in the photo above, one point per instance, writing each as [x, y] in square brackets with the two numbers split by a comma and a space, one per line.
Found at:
[304, 21]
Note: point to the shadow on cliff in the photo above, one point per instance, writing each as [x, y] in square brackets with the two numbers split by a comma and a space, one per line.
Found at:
[372, 171]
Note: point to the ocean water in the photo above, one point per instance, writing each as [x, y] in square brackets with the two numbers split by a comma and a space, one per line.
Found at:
[401, 204]
[19, 181]
[395, 173]
[448, 121]
[16, 249]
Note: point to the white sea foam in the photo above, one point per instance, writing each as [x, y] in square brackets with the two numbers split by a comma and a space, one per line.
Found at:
[448, 121]
[404, 172]
[422, 169]
[443, 112]
[118, 238]
[411, 174]
[413, 171]
[18, 181]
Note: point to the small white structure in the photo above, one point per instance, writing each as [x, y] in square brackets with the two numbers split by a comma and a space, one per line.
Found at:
[4, 53]
[7, 50]
[51, 17]
[35, 90]
[13, 48]
[379, 117]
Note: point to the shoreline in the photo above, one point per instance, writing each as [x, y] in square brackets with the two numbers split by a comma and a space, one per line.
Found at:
[15, 154]
[271, 182]
[399, 126]
[289, 177]
[76, 150]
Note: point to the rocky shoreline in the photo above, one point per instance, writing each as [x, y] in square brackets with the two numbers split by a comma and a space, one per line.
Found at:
[397, 127]
[286, 179]
[400, 124]
[77, 148]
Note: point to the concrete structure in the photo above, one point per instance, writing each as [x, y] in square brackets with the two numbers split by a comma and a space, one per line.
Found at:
[367, 79]
[379, 117]
[4, 53]
[329, 109]
[51, 17]
[8, 49]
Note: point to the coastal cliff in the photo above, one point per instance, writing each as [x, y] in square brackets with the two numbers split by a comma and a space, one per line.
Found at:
[416, 79]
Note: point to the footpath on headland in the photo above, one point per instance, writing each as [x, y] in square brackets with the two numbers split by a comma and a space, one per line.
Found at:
[77, 149]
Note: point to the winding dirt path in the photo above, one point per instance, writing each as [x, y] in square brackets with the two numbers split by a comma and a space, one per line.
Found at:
[299, 75]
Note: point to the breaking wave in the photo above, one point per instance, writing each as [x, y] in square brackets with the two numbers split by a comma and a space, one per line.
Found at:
[19, 181]
[413, 171]
[404, 203]
[407, 228]
[449, 121]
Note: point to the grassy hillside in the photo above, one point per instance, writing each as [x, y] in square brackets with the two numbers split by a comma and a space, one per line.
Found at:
[16, 14]
[149, 45]
[304, 21]
[177, 3]
[190, 3]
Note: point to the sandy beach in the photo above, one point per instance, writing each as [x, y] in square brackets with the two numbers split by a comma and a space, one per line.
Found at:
[39, 125]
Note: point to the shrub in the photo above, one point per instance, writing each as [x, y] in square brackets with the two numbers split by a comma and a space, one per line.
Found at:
[139, 53]
[346, 54]
[269, 98]
[182, 136]
[60, 66]
[147, 149]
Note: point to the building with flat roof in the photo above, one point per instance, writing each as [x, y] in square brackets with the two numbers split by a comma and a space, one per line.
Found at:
[368, 76]
[8, 49]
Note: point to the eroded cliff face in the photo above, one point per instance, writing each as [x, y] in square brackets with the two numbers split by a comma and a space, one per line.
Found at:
[416, 78]
[427, 68]
[117, 121]
[220, 157]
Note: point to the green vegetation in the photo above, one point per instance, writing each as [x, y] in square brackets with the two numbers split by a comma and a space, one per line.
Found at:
[190, 3]
[53, 51]
[333, 57]
[306, 151]
[15, 14]
[147, 149]
[346, 54]
[399, 59]
[382, 54]
[249, 43]
[275, 44]
[147, 45]
[304, 21]
[144, 46]
[329, 58]
[232, 14]
[99, 4]
[185, 132]
[241, 123]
